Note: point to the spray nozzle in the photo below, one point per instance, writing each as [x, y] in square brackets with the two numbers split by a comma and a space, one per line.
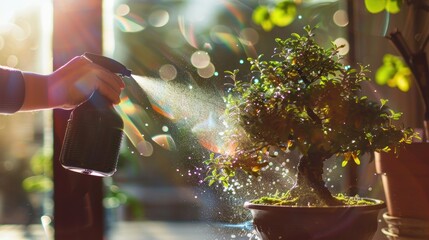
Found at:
[108, 63]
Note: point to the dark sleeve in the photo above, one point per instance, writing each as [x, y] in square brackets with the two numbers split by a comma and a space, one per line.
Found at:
[12, 90]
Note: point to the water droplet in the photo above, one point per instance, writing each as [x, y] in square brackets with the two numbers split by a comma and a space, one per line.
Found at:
[165, 129]
[370, 189]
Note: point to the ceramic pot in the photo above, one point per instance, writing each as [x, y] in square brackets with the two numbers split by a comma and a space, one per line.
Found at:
[315, 223]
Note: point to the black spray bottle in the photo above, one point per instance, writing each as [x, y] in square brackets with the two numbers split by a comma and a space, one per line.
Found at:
[94, 130]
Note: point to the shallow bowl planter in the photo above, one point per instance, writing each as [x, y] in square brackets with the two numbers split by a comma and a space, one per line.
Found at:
[315, 223]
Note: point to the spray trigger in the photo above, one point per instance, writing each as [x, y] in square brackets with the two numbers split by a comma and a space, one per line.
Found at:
[108, 63]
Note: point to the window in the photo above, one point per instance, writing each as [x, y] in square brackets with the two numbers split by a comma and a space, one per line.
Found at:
[26, 138]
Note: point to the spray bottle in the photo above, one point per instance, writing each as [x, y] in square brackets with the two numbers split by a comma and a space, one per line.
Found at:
[94, 130]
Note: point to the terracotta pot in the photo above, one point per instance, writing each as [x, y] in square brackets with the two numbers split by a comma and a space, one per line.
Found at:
[315, 223]
[405, 180]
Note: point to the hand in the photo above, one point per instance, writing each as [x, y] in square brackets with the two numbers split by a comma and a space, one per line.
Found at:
[74, 82]
[70, 85]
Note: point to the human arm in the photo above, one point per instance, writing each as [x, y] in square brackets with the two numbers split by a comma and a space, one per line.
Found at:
[68, 86]
[12, 91]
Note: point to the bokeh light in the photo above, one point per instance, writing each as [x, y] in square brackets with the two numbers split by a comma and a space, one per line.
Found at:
[342, 41]
[122, 10]
[12, 61]
[206, 72]
[340, 18]
[145, 148]
[167, 72]
[165, 129]
[249, 36]
[159, 18]
[200, 59]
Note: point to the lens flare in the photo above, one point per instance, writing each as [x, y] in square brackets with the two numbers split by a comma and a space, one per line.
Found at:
[130, 23]
[165, 141]
[235, 13]
[187, 32]
[159, 106]
[127, 106]
[221, 35]
[227, 39]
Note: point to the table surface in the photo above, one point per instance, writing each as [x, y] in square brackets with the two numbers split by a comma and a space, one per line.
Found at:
[148, 230]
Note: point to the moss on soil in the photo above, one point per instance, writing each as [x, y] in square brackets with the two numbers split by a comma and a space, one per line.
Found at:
[285, 199]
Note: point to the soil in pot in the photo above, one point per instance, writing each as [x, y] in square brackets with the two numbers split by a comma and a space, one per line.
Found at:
[315, 223]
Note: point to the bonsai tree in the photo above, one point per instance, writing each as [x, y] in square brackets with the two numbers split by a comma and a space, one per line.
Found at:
[303, 98]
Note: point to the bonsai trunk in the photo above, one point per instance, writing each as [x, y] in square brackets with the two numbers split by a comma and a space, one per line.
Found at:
[310, 187]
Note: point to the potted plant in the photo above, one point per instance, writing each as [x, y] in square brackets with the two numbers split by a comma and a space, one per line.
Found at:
[406, 172]
[304, 99]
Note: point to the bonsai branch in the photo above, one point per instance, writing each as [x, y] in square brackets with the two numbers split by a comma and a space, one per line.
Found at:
[420, 69]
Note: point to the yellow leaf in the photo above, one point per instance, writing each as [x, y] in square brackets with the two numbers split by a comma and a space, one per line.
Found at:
[256, 168]
[356, 159]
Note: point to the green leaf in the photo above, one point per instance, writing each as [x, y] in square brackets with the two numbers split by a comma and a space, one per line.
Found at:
[283, 14]
[344, 163]
[211, 182]
[393, 6]
[37, 183]
[261, 16]
[295, 35]
[384, 74]
[383, 102]
[375, 6]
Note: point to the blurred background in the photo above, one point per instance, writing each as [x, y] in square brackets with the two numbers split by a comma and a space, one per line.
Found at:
[182, 48]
